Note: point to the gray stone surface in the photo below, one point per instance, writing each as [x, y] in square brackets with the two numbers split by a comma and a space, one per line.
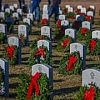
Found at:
[27, 20]
[90, 13]
[65, 23]
[2, 15]
[7, 10]
[3, 28]
[86, 24]
[46, 30]
[62, 17]
[81, 48]
[96, 34]
[45, 16]
[71, 33]
[91, 75]
[30, 16]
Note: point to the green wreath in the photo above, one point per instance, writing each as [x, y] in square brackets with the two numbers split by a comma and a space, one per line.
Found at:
[7, 14]
[45, 88]
[2, 20]
[34, 59]
[94, 49]
[11, 58]
[64, 64]
[84, 93]
[33, 44]
[84, 36]
[2, 36]
[62, 45]
[70, 15]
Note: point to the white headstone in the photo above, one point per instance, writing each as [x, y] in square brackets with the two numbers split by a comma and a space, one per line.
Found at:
[65, 23]
[67, 6]
[15, 15]
[27, 20]
[13, 41]
[79, 7]
[15, 6]
[91, 76]
[90, 13]
[3, 28]
[22, 30]
[2, 15]
[71, 33]
[45, 16]
[46, 30]
[62, 17]
[71, 9]
[19, 11]
[86, 24]
[83, 10]
[11, 8]
[30, 16]
[96, 34]
[45, 43]
[7, 10]
[92, 6]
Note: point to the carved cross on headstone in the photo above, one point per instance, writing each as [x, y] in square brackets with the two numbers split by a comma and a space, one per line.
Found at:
[92, 75]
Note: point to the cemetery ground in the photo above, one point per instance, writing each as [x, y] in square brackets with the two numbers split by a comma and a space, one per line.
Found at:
[64, 86]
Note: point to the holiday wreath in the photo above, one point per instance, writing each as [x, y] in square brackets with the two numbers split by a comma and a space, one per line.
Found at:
[33, 88]
[11, 54]
[2, 36]
[41, 54]
[71, 64]
[34, 42]
[93, 46]
[44, 22]
[84, 34]
[88, 93]
[64, 44]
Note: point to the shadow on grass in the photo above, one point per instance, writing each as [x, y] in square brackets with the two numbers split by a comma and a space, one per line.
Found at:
[13, 75]
[58, 80]
[13, 86]
[65, 90]
[92, 65]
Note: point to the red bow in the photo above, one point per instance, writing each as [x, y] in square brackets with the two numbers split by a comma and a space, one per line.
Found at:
[90, 95]
[92, 45]
[59, 22]
[44, 21]
[61, 31]
[71, 62]
[72, 17]
[34, 85]
[66, 10]
[65, 43]
[78, 10]
[40, 52]
[84, 30]
[40, 38]
[21, 38]
[10, 51]
[88, 18]
[90, 9]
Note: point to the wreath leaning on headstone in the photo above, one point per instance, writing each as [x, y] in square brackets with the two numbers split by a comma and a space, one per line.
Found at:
[88, 93]
[71, 64]
[33, 88]
[34, 42]
[84, 34]
[11, 54]
[23, 39]
[41, 54]
[64, 44]
[93, 46]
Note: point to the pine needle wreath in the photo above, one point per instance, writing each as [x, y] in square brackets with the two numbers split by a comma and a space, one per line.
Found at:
[11, 54]
[93, 46]
[45, 88]
[34, 42]
[84, 34]
[34, 59]
[2, 20]
[2, 36]
[64, 64]
[64, 44]
[86, 93]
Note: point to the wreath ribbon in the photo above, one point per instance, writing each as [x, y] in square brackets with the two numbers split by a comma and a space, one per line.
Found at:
[71, 62]
[10, 51]
[65, 43]
[89, 95]
[44, 21]
[88, 18]
[84, 30]
[34, 85]
[40, 52]
[92, 45]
